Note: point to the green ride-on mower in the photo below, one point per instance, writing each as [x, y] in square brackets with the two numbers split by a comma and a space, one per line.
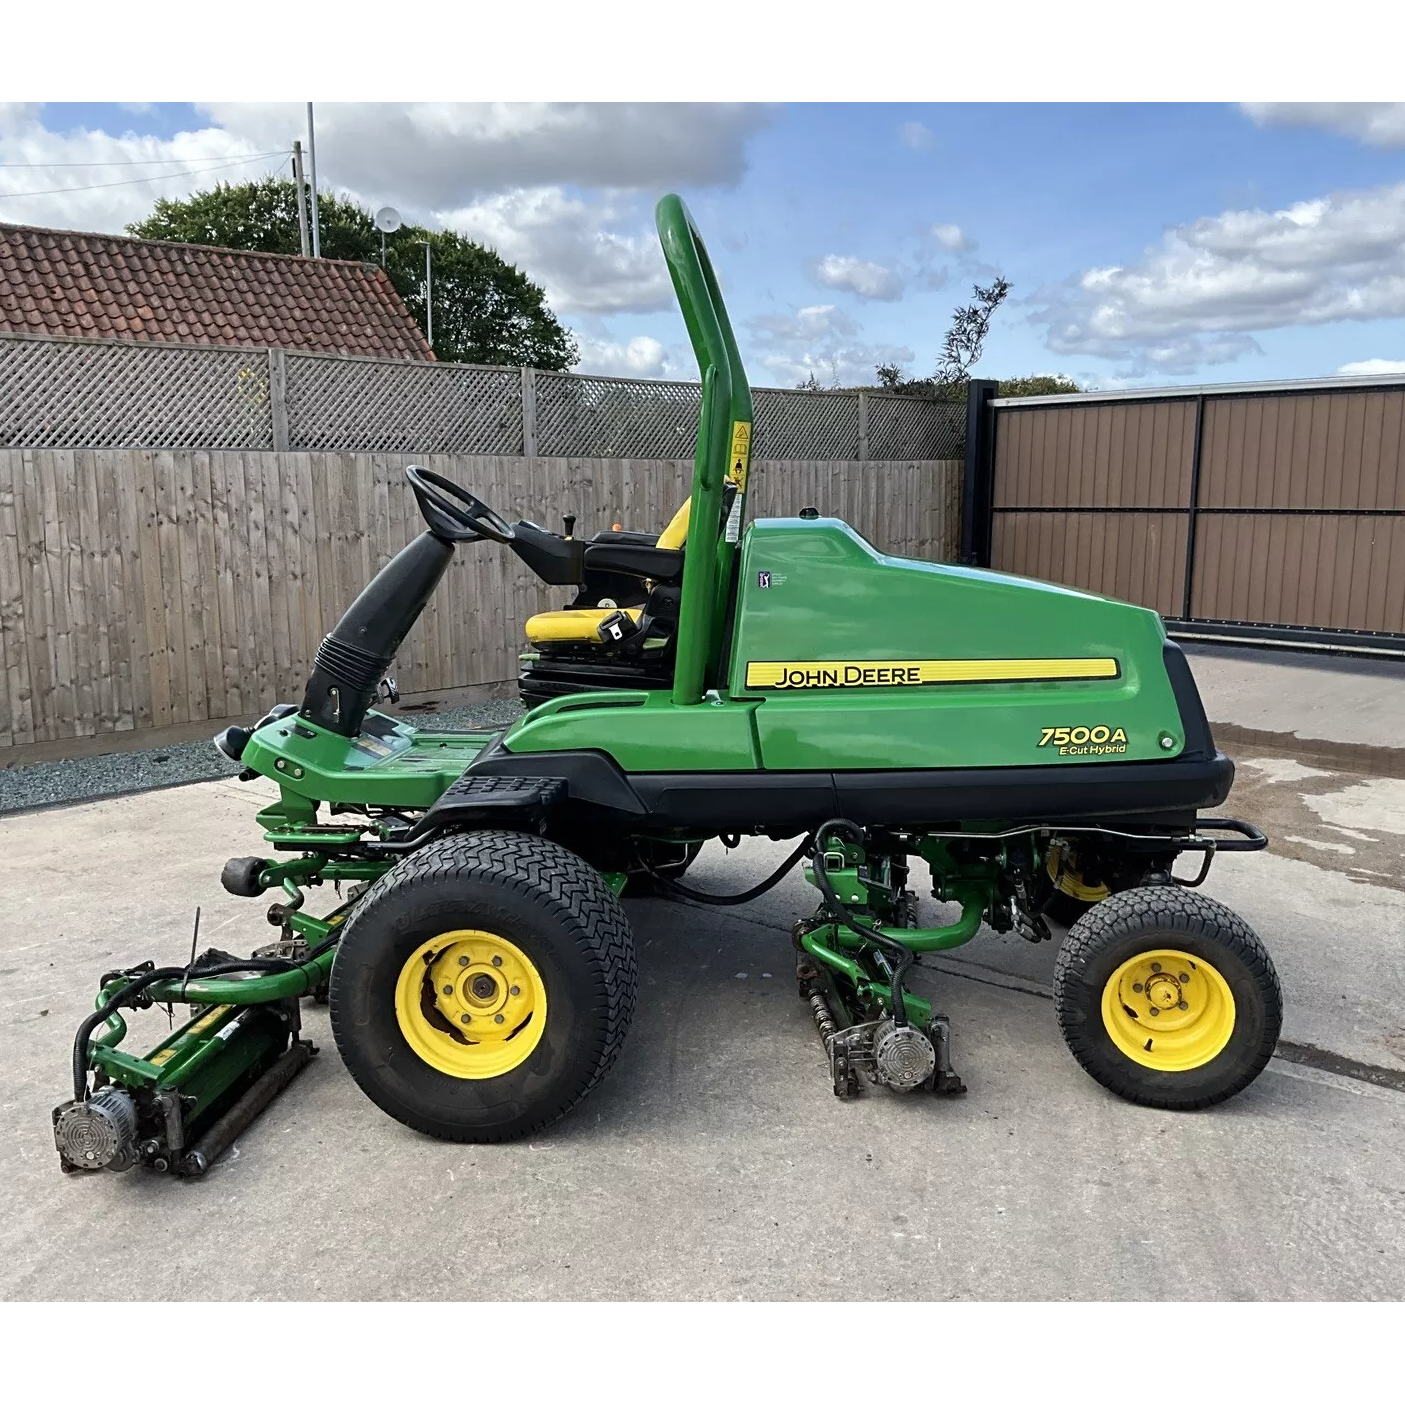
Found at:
[1038, 748]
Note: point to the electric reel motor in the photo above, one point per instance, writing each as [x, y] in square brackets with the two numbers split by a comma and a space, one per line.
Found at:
[98, 1133]
[903, 1057]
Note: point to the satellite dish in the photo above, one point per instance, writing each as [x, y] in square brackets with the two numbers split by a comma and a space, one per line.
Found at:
[387, 219]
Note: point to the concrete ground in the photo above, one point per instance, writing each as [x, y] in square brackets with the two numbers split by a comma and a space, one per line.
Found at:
[715, 1162]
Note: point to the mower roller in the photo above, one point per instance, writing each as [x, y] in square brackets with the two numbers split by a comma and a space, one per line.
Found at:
[1039, 749]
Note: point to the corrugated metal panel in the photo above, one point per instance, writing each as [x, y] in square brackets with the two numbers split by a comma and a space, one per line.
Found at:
[1071, 456]
[1305, 451]
[1327, 572]
[1133, 556]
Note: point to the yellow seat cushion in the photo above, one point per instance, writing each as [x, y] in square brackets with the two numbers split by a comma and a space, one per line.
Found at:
[570, 626]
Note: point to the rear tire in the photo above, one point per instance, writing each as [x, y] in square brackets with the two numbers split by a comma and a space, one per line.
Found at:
[1219, 1006]
[556, 920]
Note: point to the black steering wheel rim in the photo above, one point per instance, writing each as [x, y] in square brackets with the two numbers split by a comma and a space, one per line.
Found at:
[452, 511]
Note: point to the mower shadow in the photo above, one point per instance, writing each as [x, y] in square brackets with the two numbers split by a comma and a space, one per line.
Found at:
[721, 1037]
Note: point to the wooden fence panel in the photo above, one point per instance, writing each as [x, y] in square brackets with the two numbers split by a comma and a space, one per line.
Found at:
[142, 588]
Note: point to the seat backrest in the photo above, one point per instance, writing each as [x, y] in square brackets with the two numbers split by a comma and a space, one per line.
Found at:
[675, 536]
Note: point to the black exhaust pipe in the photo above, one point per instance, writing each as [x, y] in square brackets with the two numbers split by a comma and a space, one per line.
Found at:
[353, 658]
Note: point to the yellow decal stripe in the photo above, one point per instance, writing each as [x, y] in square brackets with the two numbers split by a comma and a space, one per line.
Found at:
[890, 673]
[199, 1027]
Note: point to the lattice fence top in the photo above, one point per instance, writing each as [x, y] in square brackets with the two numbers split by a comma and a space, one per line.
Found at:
[422, 407]
[87, 394]
[905, 427]
[71, 392]
[606, 418]
[800, 424]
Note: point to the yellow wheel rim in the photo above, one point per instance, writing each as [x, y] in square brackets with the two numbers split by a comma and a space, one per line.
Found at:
[471, 1004]
[1070, 881]
[1168, 1010]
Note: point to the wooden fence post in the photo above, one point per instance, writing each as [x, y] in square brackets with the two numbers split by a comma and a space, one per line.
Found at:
[863, 426]
[278, 397]
[529, 412]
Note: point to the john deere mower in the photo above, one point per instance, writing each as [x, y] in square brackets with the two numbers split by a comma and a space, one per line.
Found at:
[1036, 748]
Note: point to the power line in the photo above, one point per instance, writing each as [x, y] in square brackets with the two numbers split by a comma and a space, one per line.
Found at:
[136, 180]
[130, 161]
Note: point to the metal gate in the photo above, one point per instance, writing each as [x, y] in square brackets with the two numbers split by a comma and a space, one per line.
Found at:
[1273, 511]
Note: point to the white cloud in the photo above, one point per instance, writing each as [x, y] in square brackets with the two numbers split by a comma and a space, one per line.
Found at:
[46, 178]
[1376, 123]
[493, 171]
[432, 155]
[579, 252]
[819, 340]
[918, 135]
[951, 236]
[642, 357]
[1196, 296]
[1374, 366]
[861, 276]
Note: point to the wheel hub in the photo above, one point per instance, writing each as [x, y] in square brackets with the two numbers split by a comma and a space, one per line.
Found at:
[1168, 1010]
[1163, 991]
[471, 1004]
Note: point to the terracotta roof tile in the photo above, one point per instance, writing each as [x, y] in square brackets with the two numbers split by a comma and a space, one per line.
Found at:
[67, 283]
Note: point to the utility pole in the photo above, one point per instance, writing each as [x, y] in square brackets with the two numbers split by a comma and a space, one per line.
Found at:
[301, 184]
[312, 159]
[428, 297]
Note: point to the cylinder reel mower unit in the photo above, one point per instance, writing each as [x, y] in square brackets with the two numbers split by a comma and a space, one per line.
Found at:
[1042, 752]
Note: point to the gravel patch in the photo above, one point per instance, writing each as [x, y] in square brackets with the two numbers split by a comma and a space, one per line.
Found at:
[122, 772]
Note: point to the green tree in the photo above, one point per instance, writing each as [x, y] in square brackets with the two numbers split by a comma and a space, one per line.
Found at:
[485, 310]
[1040, 385]
[961, 348]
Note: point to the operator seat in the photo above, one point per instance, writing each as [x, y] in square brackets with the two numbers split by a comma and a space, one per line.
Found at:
[580, 624]
[620, 630]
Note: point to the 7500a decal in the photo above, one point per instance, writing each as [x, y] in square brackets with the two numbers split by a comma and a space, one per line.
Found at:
[1085, 741]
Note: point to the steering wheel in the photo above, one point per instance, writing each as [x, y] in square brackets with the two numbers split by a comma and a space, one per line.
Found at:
[453, 513]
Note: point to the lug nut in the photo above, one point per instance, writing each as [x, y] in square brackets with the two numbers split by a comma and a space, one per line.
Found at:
[463, 961]
[514, 990]
[1182, 1005]
[448, 990]
[1155, 965]
[1155, 1011]
[465, 1019]
[497, 1019]
[1185, 977]
[1137, 986]
[497, 961]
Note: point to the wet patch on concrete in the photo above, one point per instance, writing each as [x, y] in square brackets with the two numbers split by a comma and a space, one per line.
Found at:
[1341, 821]
[1317, 751]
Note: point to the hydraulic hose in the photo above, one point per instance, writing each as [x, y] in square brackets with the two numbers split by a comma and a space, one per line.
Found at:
[728, 899]
[125, 996]
[903, 955]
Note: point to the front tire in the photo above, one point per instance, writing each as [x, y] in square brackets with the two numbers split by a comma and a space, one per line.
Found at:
[484, 986]
[1167, 998]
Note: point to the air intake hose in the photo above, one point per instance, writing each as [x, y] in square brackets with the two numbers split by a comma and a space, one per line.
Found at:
[353, 658]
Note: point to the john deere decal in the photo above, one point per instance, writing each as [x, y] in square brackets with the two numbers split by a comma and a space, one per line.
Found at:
[900, 673]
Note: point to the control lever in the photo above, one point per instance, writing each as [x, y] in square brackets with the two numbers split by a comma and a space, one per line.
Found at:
[389, 689]
[569, 523]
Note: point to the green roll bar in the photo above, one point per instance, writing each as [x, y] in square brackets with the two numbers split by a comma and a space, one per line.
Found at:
[723, 451]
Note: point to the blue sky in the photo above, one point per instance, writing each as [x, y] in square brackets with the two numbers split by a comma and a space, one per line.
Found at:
[1146, 244]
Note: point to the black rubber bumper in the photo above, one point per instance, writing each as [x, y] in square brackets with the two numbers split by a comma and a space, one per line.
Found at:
[1163, 792]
